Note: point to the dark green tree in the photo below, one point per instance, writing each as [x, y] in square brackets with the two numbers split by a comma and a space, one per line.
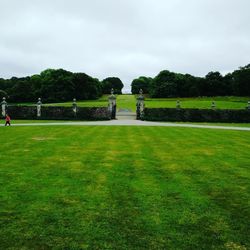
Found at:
[86, 87]
[214, 84]
[164, 85]
[21, 90]
[3, 94]
[57, 85]
[241, 81]
[141, 83]
[112, 82]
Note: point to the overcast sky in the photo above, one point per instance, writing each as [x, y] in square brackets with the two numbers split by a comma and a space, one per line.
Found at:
[123, 38]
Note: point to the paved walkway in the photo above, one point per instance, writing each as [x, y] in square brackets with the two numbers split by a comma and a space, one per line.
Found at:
[132, 123]
[125, 115]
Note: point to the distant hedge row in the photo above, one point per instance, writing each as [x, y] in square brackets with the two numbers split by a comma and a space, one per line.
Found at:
[59, 113]
[197, 115]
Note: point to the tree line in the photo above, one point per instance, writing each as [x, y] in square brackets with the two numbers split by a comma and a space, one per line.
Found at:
[57, 85]
[170, 84]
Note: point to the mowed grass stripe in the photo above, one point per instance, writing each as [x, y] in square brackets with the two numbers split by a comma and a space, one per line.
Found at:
[57, 186]
[177, 198]
[124, 225]
[124, 188]
[211, 180]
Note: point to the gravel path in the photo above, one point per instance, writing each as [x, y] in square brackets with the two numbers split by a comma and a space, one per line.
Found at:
[132, 123]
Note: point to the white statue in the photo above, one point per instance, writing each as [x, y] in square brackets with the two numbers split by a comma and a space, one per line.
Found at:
[39, 107]
[74, 106]
[4, 106]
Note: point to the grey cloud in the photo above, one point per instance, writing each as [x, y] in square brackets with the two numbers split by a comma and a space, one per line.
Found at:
[123, 38]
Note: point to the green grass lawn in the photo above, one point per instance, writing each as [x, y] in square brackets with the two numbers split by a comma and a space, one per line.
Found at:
[101, 102]
[124, 188]
[202, 103]
[129, 102]
[123, 102]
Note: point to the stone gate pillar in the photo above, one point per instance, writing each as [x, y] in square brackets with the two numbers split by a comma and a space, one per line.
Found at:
[39, 107]
[4, 107]
[140, 106]
[112, 105]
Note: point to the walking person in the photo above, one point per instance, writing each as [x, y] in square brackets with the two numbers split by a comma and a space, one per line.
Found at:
[7, 120]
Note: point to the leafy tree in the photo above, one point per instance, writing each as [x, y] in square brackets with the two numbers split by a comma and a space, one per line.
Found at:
[164, 85]
[228, 84]
[86, 87]
[167, 89]
[36, 85]
[53, 85]
[214, 84]
[3, 94]
[191, 86]
[170, 84]
[112, 82]
[241, 81]
[21, 90]
[3, 84]
[141, 83]
[57, 85]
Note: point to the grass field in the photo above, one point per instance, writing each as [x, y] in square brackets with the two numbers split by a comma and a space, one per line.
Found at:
[101, 102]
[129, 102]
[123, 102]
[124, 188]
[202, 103]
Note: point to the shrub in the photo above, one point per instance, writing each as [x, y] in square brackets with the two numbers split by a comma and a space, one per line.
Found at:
[59, 113]
[196, 115]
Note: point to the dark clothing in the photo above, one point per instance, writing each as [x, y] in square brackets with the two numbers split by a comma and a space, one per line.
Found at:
[7, 120]
[7, 123]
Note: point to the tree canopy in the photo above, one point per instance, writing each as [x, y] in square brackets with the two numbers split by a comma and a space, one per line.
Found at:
[112, 83]
[171, 84]
[56, 85]
[141, 83]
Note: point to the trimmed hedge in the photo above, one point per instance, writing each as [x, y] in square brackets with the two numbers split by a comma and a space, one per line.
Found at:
[197, 115]
[58, 113]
